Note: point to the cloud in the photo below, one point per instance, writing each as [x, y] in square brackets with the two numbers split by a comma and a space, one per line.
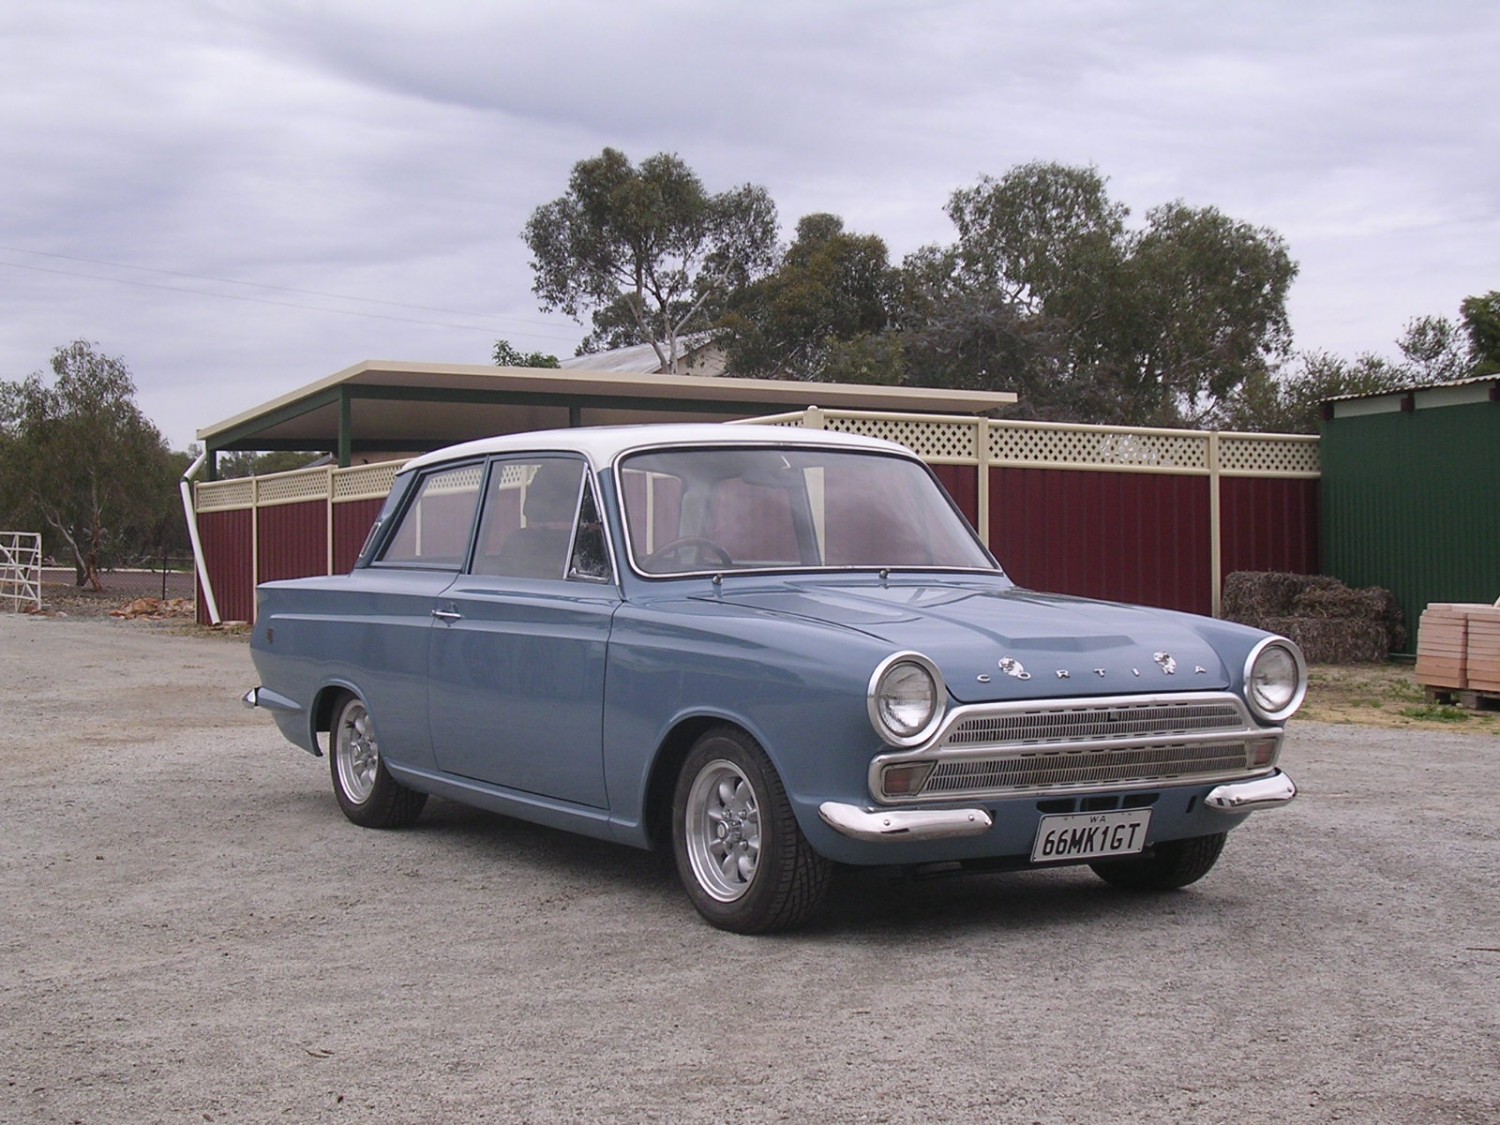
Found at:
[363, 169]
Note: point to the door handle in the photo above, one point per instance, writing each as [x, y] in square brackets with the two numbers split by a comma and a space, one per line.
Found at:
[447, 615]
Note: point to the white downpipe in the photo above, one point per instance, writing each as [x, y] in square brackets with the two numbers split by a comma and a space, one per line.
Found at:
[186, 486]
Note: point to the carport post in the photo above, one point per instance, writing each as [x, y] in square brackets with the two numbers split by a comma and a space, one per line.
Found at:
[346, 426]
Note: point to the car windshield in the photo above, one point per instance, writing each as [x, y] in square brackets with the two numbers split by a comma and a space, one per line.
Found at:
[789, 508]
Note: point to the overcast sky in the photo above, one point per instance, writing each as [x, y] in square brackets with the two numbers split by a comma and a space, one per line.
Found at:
[241, 197]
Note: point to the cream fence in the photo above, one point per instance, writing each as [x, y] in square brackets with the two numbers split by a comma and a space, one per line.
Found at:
[326, 484]
[938, 439]
[989, 443]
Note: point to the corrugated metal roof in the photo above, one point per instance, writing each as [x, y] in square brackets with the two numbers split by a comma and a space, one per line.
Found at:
[1478, 381]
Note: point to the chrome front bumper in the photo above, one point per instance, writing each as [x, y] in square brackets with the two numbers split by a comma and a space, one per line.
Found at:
[940, 824]
[903, 824]
[1246, 796]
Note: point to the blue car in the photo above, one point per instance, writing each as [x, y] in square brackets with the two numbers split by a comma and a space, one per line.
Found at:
[773, 651]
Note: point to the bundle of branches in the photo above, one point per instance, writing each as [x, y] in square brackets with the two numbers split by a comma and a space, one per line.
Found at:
[1331, 622]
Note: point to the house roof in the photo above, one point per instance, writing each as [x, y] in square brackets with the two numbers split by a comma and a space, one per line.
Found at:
[402, 408]
[696, 356]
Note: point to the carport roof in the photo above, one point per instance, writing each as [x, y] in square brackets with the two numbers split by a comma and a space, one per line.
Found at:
[398, 407]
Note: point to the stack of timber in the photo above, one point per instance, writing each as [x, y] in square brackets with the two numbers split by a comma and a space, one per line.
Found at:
[1484, 650]
[1458, 654]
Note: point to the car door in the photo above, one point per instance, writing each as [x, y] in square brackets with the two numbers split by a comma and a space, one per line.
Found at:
[382, 621]
[516, 661]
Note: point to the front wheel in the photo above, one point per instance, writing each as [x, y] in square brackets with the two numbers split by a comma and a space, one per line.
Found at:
[1169, 866]
[740, 855]
[365, 789]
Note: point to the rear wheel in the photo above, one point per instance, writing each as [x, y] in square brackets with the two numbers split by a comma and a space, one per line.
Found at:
[1167, 867]
[366, 791]
[741, 856]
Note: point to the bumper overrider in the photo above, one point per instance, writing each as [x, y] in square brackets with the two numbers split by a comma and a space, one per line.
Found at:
[942, 824]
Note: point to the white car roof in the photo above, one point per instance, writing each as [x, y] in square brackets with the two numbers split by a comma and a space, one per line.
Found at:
[603, 444]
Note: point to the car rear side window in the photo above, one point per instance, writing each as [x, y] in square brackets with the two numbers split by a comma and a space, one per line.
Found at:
[435, 527]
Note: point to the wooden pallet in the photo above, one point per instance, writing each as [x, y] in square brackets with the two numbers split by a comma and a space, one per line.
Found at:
[1468, 700]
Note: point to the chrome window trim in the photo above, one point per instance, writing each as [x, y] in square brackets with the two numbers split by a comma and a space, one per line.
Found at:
[937, 750]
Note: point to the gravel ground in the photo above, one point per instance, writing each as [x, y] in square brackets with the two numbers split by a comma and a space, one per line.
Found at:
[192, 932]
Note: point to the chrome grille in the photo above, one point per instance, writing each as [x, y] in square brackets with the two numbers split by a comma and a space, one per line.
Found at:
[1156, 719]
[1070, 768]
[1101, 743]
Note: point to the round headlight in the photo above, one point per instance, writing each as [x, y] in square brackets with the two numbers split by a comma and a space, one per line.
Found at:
[906, 698]
[1275, 679]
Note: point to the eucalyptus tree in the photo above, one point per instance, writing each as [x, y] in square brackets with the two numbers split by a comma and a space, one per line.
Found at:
[1155, 324]
[820, 314]
[79, 458]
[648, 247]
[1481, 317]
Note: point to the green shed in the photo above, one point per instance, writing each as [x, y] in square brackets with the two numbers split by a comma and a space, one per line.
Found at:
[1411, 493]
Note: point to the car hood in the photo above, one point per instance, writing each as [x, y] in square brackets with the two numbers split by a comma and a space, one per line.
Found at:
[1005, 643]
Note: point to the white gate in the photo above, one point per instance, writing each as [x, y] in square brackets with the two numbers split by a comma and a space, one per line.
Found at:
[20, 570]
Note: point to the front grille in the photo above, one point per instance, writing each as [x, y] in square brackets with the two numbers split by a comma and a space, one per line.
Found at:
[1060, 769]
[1092, 722]
[1010, 749]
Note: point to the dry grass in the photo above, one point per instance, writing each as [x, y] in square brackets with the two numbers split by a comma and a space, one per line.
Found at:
[1385, 695]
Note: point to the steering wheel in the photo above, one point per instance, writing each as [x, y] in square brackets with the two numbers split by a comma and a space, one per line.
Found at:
[697, 544]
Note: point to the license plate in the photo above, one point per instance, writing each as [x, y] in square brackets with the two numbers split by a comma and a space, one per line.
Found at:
[1090, 835]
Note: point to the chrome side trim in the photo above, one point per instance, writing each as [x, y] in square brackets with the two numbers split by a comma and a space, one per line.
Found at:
[903, 824]
[1244, 796]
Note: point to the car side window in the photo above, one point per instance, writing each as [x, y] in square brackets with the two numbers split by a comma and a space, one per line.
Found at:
[434, 528]
[530, 509]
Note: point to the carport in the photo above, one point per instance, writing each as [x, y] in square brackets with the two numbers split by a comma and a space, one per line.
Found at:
[382, 410]
[373, 416]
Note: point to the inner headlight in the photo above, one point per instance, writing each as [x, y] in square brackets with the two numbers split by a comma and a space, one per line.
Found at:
[906, 698]
[1275, 679]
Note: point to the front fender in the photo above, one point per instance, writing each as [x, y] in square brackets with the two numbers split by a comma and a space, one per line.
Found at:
[796, 688]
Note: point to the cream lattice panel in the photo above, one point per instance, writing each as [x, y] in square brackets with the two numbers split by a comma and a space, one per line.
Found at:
[365, 482]
[465, 479]
[1097, 447]
[1254, 455]
[929, 439]
[224, 495]
[292, 488]
[514, 476]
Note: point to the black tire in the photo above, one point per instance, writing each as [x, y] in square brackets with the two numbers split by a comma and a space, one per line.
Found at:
[1166, 867]
[740, 855]
[366, 791]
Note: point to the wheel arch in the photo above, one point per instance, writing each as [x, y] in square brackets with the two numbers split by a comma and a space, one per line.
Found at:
[320, 714]
[662, 781]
